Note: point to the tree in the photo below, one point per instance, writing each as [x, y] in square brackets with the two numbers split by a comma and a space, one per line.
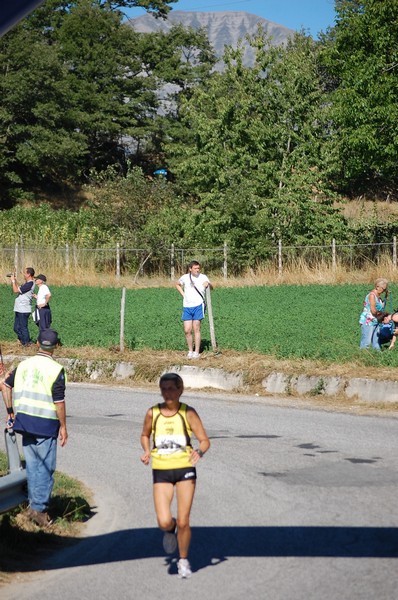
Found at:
[159, 8]
[72, 97]
[361, 59]
[138, 208]
[254, 168]
[37, 142]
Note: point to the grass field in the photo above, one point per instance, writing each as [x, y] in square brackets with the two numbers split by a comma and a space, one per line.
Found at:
[316, 322]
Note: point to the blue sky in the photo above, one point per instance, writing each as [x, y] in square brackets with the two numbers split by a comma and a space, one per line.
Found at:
[313, 15]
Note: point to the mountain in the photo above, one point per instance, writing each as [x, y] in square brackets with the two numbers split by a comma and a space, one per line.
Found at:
[223, 28]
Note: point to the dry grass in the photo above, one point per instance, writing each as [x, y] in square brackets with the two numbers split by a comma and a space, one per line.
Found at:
[361, 209]
[300, 273]
[149, 365]
[297, 273]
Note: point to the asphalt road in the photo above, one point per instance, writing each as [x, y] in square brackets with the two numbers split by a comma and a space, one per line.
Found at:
[291, 504]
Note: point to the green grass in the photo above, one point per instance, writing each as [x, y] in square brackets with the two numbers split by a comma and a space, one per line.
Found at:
[316, 322]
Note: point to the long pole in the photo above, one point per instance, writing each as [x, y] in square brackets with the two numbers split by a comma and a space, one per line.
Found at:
[211, 321]
[172, 271]
[225, 267]
[118, 260]
[122, 306]
[280, 258]
[334, 254]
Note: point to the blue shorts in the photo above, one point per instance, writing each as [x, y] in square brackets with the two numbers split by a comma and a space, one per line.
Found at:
[195, 313]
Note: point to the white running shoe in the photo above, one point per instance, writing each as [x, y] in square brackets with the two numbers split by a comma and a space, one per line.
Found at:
[190, 354]
[184, 569]
[170, 541]
[195, 355]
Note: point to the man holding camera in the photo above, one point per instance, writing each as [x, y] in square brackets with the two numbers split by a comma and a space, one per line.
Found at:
[23, 304]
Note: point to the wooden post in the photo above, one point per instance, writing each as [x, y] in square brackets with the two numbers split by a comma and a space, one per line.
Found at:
[225, 268]
[21, 255]
[394, 252]
[122, 307]
[333, 254]
[211, 322]
[16, 257]
[118, 260]
[67, 257]
[280, 258]
[172, 272]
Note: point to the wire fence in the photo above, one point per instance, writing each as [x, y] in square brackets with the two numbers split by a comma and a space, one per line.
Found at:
[170, 262]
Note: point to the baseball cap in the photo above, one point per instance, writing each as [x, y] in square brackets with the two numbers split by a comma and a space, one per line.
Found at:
[42, 277]
[48, 339]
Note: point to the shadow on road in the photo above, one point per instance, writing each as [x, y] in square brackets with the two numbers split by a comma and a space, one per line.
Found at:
[211, 545]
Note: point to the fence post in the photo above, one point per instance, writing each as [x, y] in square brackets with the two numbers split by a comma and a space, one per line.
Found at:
[280, 258]
[333, 254]
[225, 267]
[16, 256]
[211, 321]
[172, 273]
[118, 260]
[394, 252]
[122, 307]
[21, 255]
[75, 256]
[67, 257]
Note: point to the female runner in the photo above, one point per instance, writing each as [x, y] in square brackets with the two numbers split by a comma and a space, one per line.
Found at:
[171, 424]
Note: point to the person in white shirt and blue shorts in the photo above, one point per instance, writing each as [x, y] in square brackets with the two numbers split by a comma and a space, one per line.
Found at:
[192, 287]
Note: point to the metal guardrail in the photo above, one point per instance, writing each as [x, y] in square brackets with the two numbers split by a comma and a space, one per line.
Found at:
[13, 487]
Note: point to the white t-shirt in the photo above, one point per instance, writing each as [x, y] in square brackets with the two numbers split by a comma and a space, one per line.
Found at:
[191, 296]
[42, 293]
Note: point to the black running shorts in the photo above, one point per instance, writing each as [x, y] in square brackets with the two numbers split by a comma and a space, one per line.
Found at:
[173, 475]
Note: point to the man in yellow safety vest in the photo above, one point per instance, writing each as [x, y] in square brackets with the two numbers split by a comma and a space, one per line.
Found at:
[34, 395]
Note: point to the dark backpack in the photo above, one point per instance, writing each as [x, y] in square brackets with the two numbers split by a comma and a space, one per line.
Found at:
[386, 332]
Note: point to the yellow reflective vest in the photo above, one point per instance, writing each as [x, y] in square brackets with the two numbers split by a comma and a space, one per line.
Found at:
[32, 395]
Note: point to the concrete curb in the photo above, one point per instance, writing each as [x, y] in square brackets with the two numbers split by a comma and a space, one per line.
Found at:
[366, 390]
[195, 377]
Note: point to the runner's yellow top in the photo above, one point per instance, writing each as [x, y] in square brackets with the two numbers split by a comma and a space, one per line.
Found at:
[171, 439]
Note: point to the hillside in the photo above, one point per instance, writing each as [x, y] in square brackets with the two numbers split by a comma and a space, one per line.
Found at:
[223, 28]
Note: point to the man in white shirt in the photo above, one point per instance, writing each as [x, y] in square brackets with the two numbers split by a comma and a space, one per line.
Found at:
[192, 287]
[42, 302]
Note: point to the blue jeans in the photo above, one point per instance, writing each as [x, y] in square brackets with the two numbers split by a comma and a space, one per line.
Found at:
[45, 318]
[369, 336]
[41, 457]
[21, 327]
